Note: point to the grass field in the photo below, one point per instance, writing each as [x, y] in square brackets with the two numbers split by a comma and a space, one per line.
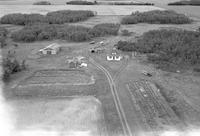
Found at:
[100, 9]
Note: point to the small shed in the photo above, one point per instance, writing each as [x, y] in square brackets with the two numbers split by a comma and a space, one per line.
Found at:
[51, 49]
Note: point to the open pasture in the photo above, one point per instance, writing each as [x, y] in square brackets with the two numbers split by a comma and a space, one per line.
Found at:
[100, 9]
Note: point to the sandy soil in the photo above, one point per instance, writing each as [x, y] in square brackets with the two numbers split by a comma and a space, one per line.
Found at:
[72, 116]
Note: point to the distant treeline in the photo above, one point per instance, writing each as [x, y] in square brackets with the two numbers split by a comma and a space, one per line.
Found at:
[131, 3]
[182, 3]
[156, 17]
[75, 33]
[55, 17]
[165, 47]
[80, 2]
[42, 3]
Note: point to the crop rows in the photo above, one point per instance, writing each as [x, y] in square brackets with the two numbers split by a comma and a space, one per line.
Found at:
[155, 109]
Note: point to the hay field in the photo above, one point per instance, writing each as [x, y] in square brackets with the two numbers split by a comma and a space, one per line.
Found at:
[100, 9]
[45, 117]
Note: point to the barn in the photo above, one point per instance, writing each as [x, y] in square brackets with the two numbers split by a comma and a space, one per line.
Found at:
[51, 49]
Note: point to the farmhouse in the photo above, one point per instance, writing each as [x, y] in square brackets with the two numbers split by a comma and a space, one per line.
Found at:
[51, 49]
[114, 56]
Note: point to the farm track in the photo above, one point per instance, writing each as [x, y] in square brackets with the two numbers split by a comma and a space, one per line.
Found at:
[122, 116]
[121, 69]
[152, 105]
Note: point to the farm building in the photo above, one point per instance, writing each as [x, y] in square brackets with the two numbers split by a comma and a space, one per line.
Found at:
[76, 62]
[114, 56]
[51, 49]
[97, 49]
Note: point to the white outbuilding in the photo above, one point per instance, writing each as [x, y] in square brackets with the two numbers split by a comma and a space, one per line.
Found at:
[51, 49]
[114, 56]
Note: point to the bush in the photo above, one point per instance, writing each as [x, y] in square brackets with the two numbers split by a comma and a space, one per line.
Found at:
[3, 36]
[125, 32]
[156, 17]
[56, 17]
[80, 2]
[42, 3]
[11, 66]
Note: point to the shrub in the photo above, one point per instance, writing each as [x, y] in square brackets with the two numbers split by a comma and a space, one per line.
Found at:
[125, 32]
[3, 36]
[156, 17]
[80, 2]
[42, 3]
[11, 66]
[67, 16]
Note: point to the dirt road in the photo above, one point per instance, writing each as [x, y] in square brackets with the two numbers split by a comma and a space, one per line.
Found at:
[120, 110]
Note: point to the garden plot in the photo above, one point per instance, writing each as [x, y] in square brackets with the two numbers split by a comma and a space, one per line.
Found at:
[153, 107]
[58, 77]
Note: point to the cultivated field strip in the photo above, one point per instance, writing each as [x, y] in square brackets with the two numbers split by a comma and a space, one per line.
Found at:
[59, 77]
[122, 116]
[157, 112]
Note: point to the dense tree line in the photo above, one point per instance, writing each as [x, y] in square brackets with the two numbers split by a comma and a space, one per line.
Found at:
[156, 17]
[11, 66]
[55, 17]
[66, 16]
[182, 3]
[75, 33]
[22, 19]
[169, 46]
[125, 46]
[3, 36]
[42, 3]
[105, 29]
[133, 3]
[81, 2]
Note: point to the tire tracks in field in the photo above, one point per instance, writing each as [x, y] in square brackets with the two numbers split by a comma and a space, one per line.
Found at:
[120, 110]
